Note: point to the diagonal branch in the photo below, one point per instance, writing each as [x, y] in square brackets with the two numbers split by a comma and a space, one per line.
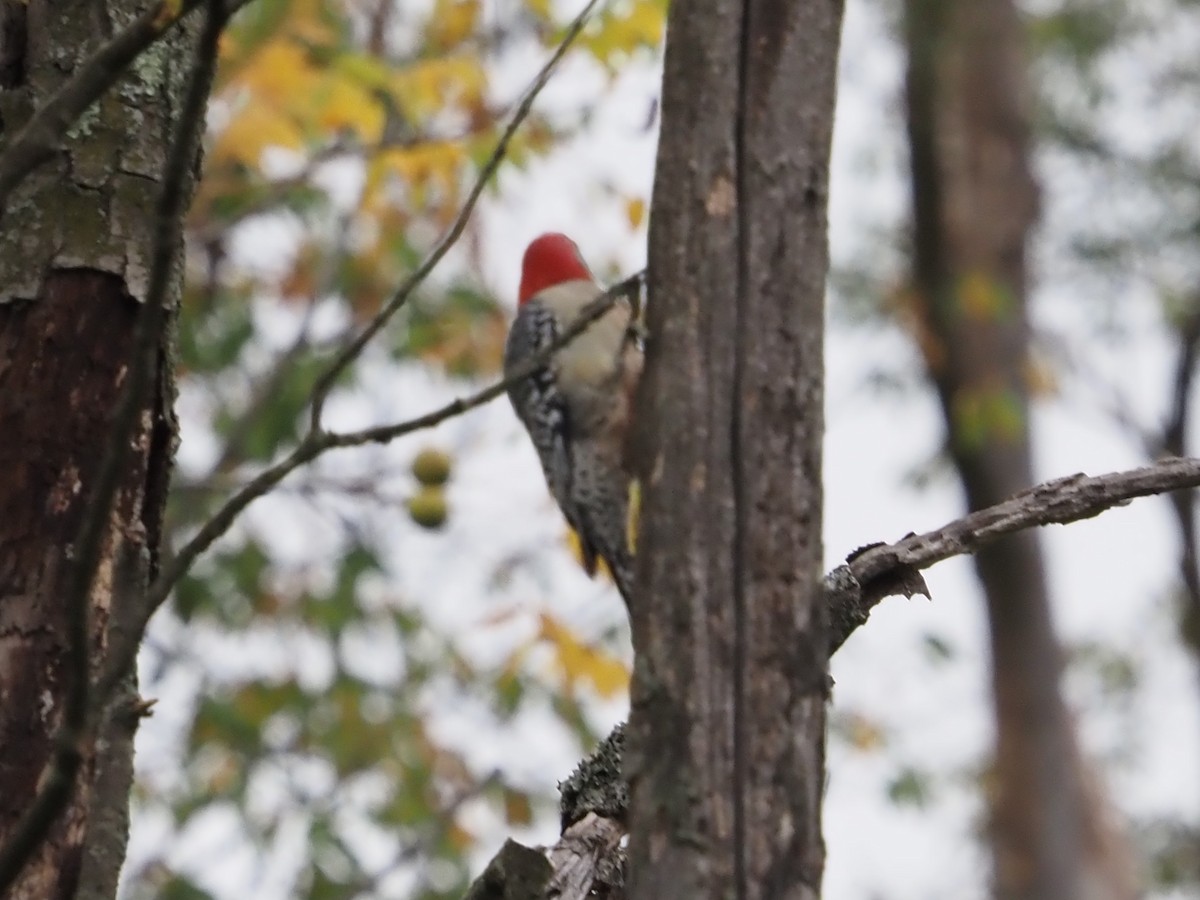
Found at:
[1175, 441]
[595, 796]
[402, 294]
[125, 644]
[81, 708]
[43, 134]
[852, 590]
[317, 441]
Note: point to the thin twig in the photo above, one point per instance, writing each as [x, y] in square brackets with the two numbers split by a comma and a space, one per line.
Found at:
[1175, 442]
[124, 646]
[79, 714]
[123, 650]
[853, 589]
[849, 593]
[317, 441]
[43, 134]
[402, 294]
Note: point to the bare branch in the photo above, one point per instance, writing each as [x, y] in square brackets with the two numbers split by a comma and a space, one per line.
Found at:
[125, 644]
[401, 295]
[853, 589]
[1175, 442]
[42, 135]
[594, 798]
[79, 713]
[123, 649]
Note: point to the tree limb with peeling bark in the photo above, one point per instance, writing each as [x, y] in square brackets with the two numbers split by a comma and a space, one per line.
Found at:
[589, 855]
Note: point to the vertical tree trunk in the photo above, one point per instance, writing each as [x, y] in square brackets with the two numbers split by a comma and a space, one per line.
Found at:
[74, 247]
[974, 204]
[726, 742]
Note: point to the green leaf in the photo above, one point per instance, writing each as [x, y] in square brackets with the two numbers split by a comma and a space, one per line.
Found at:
[910, 787]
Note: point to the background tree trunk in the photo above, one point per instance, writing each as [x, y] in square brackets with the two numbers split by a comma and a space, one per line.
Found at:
[726, 744]
[75, 242]
[974, 204]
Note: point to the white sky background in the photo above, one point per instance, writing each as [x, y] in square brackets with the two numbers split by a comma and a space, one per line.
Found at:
[1110, 576]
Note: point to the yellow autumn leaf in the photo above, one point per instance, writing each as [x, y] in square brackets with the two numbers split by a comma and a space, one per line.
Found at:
[638, 25]
[452, 22]
[431, 86]
[312, 21]
[278, 74]
[255, 128]
[439, 162]
[647, 21]
[578, 662]
[635, 211]
[340, 105]
[314, 24]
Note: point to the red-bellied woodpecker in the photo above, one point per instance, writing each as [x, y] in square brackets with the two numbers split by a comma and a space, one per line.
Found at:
[577, 408]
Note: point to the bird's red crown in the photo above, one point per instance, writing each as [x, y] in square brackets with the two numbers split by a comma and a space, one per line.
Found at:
[549, 260]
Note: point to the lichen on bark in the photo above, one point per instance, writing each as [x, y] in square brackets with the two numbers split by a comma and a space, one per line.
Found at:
[76, 240]
[105, 177]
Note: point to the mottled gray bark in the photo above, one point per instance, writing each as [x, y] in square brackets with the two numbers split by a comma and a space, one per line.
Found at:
[75, 243]
[725, 747]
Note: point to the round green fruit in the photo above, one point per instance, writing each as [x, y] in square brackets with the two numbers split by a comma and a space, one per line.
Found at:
[432, 467]
[428, 507]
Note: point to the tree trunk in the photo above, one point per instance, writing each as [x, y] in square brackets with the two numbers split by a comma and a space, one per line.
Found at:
[726, 741]
[974, 204]
[74, 256]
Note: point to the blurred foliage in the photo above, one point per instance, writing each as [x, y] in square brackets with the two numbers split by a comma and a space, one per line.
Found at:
[308, 692]
[1115, 97]
[345, 134]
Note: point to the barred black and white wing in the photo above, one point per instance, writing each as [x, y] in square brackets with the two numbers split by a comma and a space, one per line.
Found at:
[541, 406]
[576, 409]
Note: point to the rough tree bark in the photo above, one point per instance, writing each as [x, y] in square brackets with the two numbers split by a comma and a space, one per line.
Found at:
[726, 737]
[75, 241]
[974, 204]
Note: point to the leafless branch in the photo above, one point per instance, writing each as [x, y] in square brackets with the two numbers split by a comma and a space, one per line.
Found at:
[853, 589]
[43, 134]
[593, 798]
[79, 713]
[1174, 441]
[125, 644]
[401, 295]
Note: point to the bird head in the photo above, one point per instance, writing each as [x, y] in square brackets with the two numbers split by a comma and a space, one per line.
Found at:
[549, 260]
